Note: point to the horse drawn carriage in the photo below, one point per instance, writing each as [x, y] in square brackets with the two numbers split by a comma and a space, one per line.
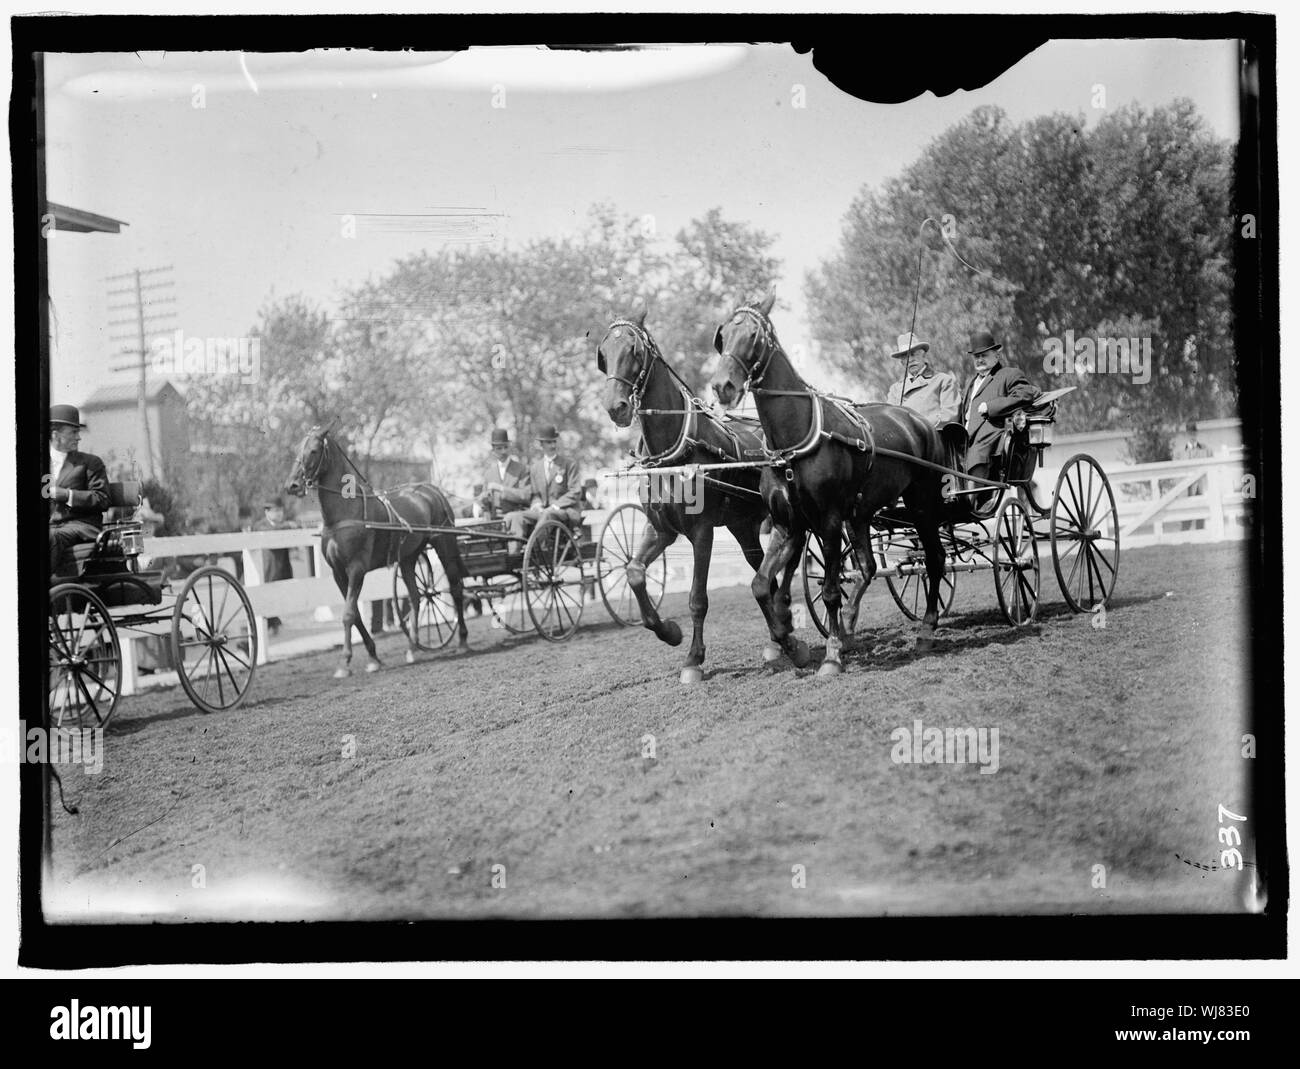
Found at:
[1080, 524]
[539, 584]
[209, 624]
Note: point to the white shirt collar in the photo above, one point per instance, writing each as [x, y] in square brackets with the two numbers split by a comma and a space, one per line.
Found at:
[56, 460]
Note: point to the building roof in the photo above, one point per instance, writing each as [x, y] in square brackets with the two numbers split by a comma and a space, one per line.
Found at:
[122, 396]
[66, 218]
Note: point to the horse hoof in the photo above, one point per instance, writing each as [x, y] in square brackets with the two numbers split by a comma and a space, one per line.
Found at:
[671, 633]
[801, 655]
[830, 668]
[373, 666]
[342, 673]
[410, 656]
[771, 652]
[692, 674]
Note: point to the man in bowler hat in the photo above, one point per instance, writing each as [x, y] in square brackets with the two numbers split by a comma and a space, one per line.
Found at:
[993, 392]
[554, 485]
[77, 486]
[504, 478]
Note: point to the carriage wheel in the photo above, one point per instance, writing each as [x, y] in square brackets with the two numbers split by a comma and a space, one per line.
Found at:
[85, 659]
[214, 640]
[1085, 534]
[553, 581]
[814, 580]
[909, 590]
[434, 619]
[619, 538]
[1015, 563]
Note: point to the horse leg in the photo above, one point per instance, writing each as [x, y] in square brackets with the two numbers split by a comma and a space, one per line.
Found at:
[356, 574]
[926, 500]
[862, 547]
[747, 537]
[702, 544]
[653, 543]
[412, 617]
[449, 554]
[344, 582]
[781, 602]
[832, 596]
[780, 552]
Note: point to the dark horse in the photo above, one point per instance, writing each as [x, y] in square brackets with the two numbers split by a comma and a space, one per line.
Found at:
[677, 431]
[829, 474]
[348, 503]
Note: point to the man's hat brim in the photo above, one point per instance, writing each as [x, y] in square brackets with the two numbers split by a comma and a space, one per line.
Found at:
[923, 346]
[987, 349]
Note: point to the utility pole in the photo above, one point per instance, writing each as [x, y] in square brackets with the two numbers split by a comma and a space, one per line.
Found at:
[146, 324]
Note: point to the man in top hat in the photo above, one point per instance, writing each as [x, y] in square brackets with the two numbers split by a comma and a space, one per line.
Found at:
[505, 479]
[77, 486]
[934, 394]
[554, 484]
[991, 394]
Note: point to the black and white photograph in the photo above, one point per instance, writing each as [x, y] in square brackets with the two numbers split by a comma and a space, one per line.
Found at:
[650, 478]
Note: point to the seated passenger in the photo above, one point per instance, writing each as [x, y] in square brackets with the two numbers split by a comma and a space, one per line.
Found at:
[77, 487]
[934, 394]
[555, 486]
[995, 391]
[504, 480]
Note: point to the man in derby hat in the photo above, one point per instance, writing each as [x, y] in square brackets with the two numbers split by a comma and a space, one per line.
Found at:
[554, 484]
[993, 392]
[504, 479]
[77, 486]
[934, 394]
[276, 563]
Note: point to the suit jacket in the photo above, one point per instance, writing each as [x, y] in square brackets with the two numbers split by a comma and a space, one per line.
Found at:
[934, 394]
[564, 488]
[518, 492]
[84, 475]
[1004, 389]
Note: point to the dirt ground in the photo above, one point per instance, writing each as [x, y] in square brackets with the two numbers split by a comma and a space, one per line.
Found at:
[511, 781]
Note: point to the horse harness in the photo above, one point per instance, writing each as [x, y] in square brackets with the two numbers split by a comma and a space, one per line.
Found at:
[688, 438]
[394, 517]
[817, 431]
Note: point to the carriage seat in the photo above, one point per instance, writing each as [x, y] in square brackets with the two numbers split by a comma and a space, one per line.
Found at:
[121, 531]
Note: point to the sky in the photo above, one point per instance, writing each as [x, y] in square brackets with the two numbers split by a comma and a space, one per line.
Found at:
[245, 196]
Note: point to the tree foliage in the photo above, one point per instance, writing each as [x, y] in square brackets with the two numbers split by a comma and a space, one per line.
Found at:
[1122, 228]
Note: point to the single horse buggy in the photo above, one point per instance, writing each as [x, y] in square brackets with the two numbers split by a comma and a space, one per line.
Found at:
[539, 583]
[1002, 534]
[209, 624]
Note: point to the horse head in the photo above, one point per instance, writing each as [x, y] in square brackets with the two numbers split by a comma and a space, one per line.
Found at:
[624, 356]
[311, 461]
[746, 343]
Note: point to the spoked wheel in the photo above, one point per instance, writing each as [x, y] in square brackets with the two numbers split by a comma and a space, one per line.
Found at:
[909, 591]
[1015, 563]
[214, 640]
[1085, 534]
[553, 581]
[619, 538]
[814, 580]
[434, 618]
[504, 595]
[85, 659]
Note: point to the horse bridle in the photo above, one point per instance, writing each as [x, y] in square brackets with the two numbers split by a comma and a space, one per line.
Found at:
[309, 482]
[651, 351]
[766, 337]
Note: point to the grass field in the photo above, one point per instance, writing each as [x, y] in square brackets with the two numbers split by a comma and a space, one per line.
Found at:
[410, 792]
